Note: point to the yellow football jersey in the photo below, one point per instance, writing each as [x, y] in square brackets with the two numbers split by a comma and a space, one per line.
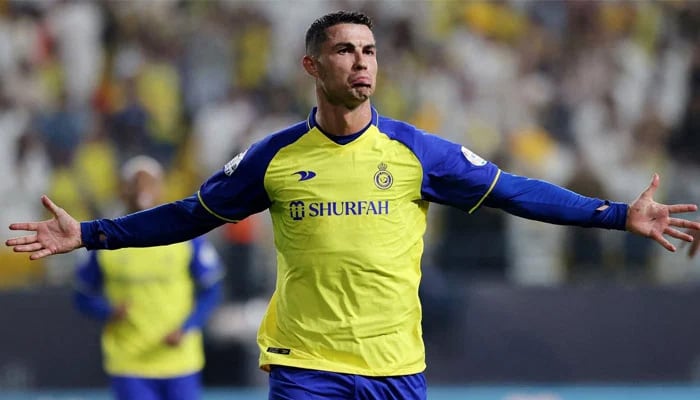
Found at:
[348, 220]
[155, 284]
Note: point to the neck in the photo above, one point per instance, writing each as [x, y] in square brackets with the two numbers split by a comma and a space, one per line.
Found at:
[339, 120]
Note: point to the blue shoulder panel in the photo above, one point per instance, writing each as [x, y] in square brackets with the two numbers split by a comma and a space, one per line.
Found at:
[238, 190]
[452, 174]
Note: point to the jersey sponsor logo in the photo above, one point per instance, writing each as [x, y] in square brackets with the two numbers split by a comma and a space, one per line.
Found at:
[383, 178]
[298, 210]
[472, 157]
[279, 350]
[305, 175]
[233, 164]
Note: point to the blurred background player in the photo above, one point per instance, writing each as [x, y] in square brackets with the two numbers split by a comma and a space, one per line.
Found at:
[153, 302]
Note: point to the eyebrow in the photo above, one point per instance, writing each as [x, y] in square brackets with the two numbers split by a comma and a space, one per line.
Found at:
[349, 44]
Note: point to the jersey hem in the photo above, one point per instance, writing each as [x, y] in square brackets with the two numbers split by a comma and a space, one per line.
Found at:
[328, 367]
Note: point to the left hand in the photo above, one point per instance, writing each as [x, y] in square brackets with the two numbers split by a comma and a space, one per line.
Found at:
[174, 338]
[650, 219]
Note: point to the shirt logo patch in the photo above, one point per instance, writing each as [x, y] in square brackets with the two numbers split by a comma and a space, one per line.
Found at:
[233, 164]
[279, 350]
[298, 209]
[305, 175]
[472, 157]
[383, 178]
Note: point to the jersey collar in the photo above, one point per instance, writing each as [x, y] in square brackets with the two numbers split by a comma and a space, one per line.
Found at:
[311, 121]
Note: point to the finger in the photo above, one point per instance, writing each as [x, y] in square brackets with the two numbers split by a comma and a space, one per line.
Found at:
[662, 241]
[649, 191]
[684, 223]
[49, 205]
[682, 208]
[27, 248]
[21, 240]
[24, 226]
[40, 254]
[678, 234]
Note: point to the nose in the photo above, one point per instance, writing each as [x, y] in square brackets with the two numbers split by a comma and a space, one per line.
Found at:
[360, 61]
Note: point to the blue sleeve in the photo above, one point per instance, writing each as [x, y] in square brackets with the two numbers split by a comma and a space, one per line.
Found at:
[238, 190]
[230, 195]
[207, 272]
[166, 224]
[544, 201]
[87, 293]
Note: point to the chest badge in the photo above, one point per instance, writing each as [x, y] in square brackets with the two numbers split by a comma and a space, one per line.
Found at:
[383, 178]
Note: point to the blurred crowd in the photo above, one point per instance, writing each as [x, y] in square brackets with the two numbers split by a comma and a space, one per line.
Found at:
[595, 96]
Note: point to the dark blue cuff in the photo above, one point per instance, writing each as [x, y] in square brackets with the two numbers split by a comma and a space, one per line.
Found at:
[614, 217]
[90, 235]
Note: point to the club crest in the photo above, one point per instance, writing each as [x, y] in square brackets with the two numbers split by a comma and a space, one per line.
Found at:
[383, 178]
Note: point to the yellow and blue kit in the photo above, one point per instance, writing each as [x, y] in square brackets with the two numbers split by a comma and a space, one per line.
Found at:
[349, 214]
[165, 288]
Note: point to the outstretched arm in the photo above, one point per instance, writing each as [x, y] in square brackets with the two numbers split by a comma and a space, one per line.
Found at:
[543, 201]
[165, 224]
[60, 234]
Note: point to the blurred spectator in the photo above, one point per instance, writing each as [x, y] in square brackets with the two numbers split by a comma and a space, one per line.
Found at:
[129, 125]
[154, 302]
[586, 255]
[94, 166]
[158, 86]
[208, 60]
[219, 129]
[25, 171]
[76, 29]
[685, 143]
[62, 129]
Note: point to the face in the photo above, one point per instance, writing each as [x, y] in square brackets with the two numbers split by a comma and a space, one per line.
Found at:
[346, 68]
[142, 191]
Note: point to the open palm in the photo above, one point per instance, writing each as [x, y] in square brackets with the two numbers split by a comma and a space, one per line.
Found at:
[59, 234]
[650, 219]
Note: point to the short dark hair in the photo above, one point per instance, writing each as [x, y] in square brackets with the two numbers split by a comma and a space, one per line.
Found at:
[316, 34]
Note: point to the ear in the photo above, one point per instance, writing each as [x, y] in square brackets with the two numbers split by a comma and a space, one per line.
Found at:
[310, 66]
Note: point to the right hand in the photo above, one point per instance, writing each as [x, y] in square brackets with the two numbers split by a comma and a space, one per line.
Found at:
[60, 234]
